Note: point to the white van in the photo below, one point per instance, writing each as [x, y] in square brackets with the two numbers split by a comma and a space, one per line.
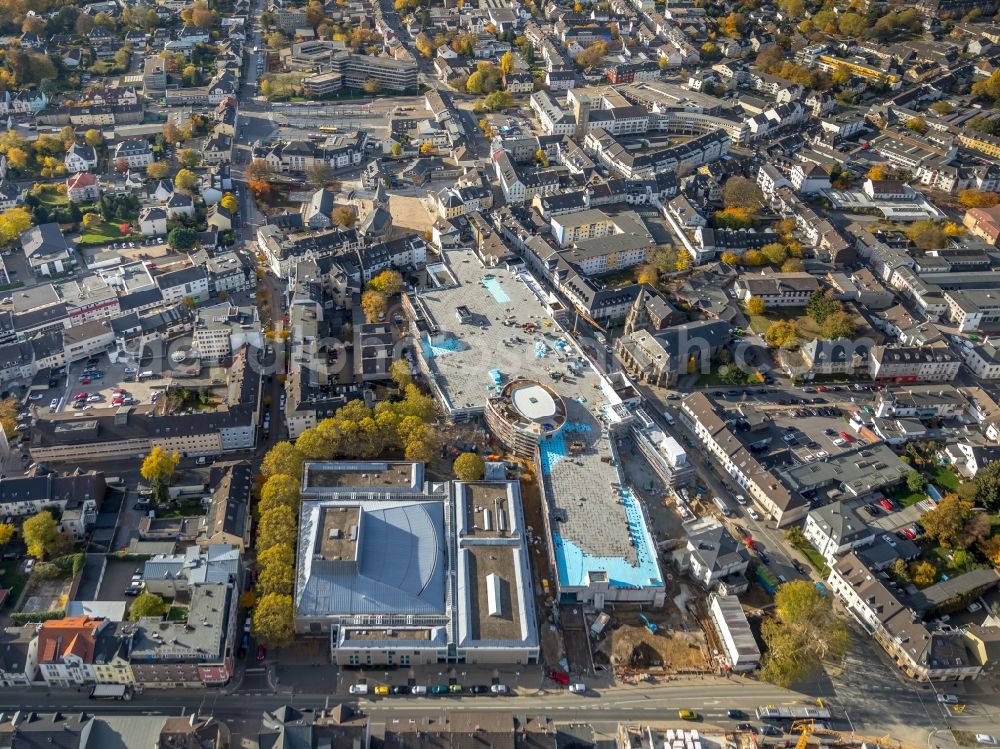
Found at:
[419, 689]
[358, 689]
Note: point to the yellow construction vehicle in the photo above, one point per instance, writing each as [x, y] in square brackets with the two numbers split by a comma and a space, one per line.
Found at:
[808, 728]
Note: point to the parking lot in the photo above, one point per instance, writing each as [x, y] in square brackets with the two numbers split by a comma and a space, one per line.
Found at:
[117, 577]
[100, 389]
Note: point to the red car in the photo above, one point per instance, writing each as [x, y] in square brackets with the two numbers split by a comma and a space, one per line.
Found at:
[119, 391]
[909, 533]
[887, 504]
[117, 402]
[822, 388]
[85, 381]
[80, 396]
[846, 437]
[557, 676]
[261, 652]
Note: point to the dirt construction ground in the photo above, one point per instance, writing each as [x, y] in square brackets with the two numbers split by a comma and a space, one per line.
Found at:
[631, 645]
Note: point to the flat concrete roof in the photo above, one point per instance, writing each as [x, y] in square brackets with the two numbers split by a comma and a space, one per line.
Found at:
[338, 533]
[533, 402]
[596, 529]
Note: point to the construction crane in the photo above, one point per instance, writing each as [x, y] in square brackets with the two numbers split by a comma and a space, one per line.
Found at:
[809, 728]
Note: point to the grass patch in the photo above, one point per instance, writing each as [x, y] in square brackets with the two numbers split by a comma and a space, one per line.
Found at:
[177, 614]
[902, 496]
[12, 579]
[944, 477]
[815, 558]
[102, 233]
[808, 329]
[945, 563]
[187, 508]
[965, 738]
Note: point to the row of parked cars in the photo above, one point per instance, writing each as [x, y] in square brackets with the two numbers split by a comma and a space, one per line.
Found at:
[383, 690]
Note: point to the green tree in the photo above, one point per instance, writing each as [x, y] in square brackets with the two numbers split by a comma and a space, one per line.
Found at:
[507, 63]
[41, 535]
[186, 180]
[93, 138]
[740, 192]
[158, 169]
[821, 306]
[955, 523]
[314, 446]
[280, 491]
[838, 325]
[13, 222]
[276, 578]
[987, 483]
[189, 158]
[374, 305]
[282, 458]
[915, 482]
[803, 633]
[774, 253]
[782, 334]
[276, 555]
[923, 574]
[469, 467]
[399, 370]
[147, 604]
[474, 85]
[277, 527]
[498, 100]
[272, 620]
[973, 198]
[900, 571]
[388, 282]
[592, 55]
[396, 150]
[182, 238]
[158, 469]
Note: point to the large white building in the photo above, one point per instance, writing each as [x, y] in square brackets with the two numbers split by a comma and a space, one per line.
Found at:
[380, 572]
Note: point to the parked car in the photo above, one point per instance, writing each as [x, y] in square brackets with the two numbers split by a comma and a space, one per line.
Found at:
[886, 503]
[439, 689]
[400, 689]
[455, 688]
[558, 676]
[261, 653]
[479, 689]
[578, 688]
[419, 689]
[381, 690]
[499, 689]
[947, 699]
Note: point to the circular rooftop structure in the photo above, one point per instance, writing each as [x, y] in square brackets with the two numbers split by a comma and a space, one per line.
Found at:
[525, 412]
[534, 402]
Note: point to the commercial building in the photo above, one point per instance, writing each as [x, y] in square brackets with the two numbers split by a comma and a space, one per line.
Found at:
[523, 413]
[478, 328]
[381, 574]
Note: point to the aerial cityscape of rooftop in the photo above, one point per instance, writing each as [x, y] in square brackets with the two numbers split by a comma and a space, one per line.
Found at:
[613, 374]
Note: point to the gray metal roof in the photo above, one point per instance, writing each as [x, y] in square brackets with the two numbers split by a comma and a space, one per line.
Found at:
[400, 569]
